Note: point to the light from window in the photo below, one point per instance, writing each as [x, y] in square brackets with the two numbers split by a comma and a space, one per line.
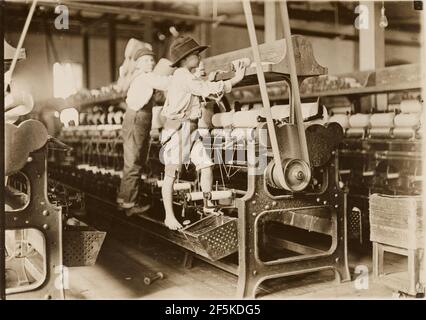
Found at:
[67, 79]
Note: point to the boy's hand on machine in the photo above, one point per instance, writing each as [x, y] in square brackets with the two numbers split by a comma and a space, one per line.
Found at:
[240, 70]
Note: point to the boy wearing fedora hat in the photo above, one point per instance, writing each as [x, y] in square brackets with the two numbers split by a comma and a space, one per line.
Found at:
[182, 111]
[142, 82]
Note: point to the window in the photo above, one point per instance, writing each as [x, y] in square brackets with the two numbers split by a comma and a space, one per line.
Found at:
[67, 79]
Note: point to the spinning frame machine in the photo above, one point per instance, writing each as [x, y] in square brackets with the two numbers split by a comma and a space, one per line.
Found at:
[25, 156]
[297, 186]
[381, 153]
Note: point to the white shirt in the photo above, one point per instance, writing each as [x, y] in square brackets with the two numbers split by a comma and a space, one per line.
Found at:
[142, 88]
[185, 90]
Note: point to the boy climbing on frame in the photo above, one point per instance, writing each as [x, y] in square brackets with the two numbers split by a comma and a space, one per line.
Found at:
[182, 110]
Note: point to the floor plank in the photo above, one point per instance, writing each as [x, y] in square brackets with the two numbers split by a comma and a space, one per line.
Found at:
[122, 264]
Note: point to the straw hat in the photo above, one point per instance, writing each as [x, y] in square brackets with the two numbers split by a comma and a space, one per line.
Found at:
[182, 47]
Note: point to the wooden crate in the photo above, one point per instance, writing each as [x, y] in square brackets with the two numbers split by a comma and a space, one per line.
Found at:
[396, 221]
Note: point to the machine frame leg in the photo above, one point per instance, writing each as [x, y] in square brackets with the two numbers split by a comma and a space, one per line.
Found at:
[41, 215]
[258, 206]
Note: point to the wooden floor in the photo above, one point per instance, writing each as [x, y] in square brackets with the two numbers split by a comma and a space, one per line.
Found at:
[121, 266]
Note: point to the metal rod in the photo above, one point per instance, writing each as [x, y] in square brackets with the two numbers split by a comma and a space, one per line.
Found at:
[297, 107]
[21, 39]
[263, 92]
[128, 11]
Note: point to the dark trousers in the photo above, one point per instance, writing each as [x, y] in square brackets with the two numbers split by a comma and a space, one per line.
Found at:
[135, 133]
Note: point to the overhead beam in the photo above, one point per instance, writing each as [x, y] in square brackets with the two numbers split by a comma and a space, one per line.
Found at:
[314, 28]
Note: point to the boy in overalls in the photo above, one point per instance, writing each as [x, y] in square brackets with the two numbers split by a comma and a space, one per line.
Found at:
[182, 111]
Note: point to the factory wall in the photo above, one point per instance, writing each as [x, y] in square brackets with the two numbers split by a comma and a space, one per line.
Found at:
[35, 74]
[100, 73]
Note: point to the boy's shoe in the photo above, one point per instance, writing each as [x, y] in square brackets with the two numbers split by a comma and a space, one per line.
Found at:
[137, 210]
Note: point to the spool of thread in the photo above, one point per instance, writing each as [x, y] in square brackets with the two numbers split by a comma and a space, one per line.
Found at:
[110, 118]
[392, 175]
[341, 119]
[382, 120]
[410, 106]
[118, 117]
[246, 119]
[404, 133]
[381, 132]
[280, 111]
[195, 196]
[181, 186]
[341, 110]
[355, 132]
[407, 120]
[213, 195]
[219, 195]
[222, 120]
[177, 186]
[283, 110]
[157, 118]
[359, 120]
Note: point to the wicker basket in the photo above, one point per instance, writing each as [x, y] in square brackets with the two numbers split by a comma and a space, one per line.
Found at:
[213, 237]
[81, 245]
[396, 220]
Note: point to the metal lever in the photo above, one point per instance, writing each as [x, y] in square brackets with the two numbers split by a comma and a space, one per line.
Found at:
[263, 92]
[296, 110]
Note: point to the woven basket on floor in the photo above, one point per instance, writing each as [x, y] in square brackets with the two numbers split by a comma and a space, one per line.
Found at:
[81, 245]
[396, 220]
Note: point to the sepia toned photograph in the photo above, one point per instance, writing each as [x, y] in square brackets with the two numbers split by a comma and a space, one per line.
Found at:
[207, 150]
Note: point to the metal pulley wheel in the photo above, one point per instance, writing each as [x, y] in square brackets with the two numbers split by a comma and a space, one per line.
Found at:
[297, 175]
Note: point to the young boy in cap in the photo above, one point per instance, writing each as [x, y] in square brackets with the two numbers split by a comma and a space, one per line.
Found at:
[137, 123]
[182, 111]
